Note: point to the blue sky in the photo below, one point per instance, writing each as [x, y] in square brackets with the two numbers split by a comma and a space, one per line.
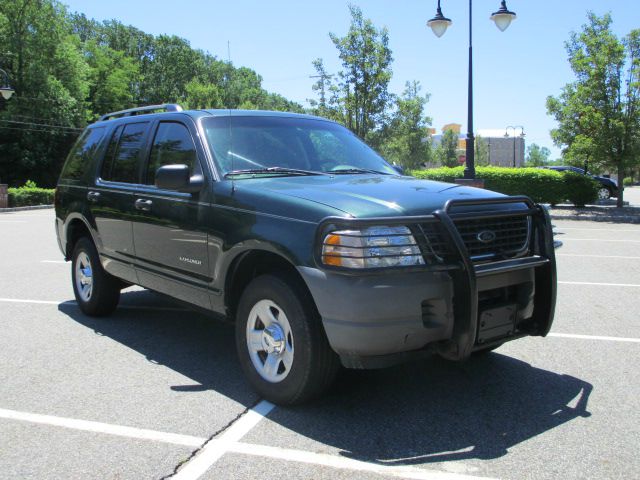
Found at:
[514, 71]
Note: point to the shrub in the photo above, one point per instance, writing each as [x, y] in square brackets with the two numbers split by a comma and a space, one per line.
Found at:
[580, 189]
[627, 182]
[542, 186]
[30, 194]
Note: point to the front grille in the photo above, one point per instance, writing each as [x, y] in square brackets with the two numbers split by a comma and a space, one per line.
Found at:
[511, 238]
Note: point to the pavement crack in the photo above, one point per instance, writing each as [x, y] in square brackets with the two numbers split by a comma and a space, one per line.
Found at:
[211, 437]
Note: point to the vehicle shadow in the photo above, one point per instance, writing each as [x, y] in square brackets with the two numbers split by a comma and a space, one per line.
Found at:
[418, 413]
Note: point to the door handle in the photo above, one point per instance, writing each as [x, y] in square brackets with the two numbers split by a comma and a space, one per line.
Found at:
[93, 196]
[144, 205]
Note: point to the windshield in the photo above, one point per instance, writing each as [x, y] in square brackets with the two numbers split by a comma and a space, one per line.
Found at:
[283, 145]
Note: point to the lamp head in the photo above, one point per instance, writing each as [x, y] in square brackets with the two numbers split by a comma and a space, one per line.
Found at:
[7, 92]
[439, 23]
[503, 17]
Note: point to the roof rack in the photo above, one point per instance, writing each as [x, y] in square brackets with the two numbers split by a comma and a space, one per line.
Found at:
[167, 107]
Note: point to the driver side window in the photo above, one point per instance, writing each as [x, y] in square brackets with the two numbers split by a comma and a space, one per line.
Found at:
[172, 145]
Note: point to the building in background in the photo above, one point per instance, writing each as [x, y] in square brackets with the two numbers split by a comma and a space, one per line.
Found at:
[500, 148]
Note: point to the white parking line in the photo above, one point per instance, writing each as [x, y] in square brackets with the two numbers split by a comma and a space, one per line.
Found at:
[602, 284]
[212, 451]
[335, 461]
[53, 261]
[595, 337]
[99, 427]
[598, 240]
[229, 443]
[595, 256]
[560, 228]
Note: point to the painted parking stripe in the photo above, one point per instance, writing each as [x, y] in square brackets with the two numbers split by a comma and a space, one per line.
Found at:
[99, 427]
[53, 261]
[213, 450]
[229, 444]
[634, 285]
[598, 240]
[73, 303]
[599, 229]
[595, 337]
[595, 256]
[336, 461]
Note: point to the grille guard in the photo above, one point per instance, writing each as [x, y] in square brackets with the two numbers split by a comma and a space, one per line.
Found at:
[464, 273]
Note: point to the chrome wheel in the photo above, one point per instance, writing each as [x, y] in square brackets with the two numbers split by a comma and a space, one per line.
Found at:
[603, 193]
[84, 276]
[270, 341]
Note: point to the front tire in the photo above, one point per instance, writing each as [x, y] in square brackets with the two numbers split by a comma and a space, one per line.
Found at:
[96, 292]
[604, 193]
[281, 343]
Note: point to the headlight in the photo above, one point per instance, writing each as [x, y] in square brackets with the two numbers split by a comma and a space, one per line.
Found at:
[371, 247]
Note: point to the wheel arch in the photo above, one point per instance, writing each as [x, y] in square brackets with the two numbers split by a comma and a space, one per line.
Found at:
[75, 229]
[253, 263]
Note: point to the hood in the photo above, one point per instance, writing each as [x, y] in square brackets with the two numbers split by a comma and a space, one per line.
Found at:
[364, 196]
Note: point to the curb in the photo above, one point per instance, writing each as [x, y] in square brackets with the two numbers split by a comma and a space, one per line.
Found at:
[22, 209]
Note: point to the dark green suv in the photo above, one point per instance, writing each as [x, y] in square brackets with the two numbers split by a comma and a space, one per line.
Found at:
[291, 226]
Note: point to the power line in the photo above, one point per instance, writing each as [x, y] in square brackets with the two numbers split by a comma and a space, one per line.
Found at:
[28, 117]
[33, 124]
[26, 129]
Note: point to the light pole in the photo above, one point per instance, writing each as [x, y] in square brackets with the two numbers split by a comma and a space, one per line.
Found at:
[439, 24]
[5, 86]
[506, 134]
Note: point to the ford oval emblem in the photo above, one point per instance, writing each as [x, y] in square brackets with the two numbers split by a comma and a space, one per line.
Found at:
[486, 236]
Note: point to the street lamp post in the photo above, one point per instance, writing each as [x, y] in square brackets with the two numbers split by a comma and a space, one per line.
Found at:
[5, 87]
[506, 134]
[439, 25]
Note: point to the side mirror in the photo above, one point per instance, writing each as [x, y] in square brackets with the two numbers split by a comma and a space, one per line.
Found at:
[178, 178]
[398, 168]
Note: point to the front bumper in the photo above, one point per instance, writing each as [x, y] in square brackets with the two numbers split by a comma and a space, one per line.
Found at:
[378, 318]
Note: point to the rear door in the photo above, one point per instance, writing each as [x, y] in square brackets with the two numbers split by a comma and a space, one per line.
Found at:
[111, 198]
[169, 233]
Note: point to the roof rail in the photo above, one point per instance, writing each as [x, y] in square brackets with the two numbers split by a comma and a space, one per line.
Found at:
[167, 107]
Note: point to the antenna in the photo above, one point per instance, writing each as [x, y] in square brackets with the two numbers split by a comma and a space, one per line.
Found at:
[229, 51]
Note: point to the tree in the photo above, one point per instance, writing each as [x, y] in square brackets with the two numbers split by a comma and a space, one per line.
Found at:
[598, 114]
[361, 91]
[405, 140]
[67, 69]
[537, 156]
[113, 78]
[328, 103]
[50, 77]
[447, 151]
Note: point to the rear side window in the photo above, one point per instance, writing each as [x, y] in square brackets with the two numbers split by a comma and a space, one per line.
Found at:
[171, 145]
[122, 160]
[81, 154]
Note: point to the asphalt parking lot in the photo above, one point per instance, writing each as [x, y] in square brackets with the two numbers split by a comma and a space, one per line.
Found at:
[134, 396]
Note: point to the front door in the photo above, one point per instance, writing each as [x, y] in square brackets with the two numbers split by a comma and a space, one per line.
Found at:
[169, 237]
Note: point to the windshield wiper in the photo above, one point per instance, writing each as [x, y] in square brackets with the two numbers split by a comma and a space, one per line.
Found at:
[356, 170]
[273, 170]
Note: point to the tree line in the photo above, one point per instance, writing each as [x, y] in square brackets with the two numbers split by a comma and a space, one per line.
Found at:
[67, 70]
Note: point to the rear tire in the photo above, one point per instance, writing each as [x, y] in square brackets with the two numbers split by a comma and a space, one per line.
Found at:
[96, 292]
[281, 343]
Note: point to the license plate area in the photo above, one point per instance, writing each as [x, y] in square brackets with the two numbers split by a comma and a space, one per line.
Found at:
[496, 322]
